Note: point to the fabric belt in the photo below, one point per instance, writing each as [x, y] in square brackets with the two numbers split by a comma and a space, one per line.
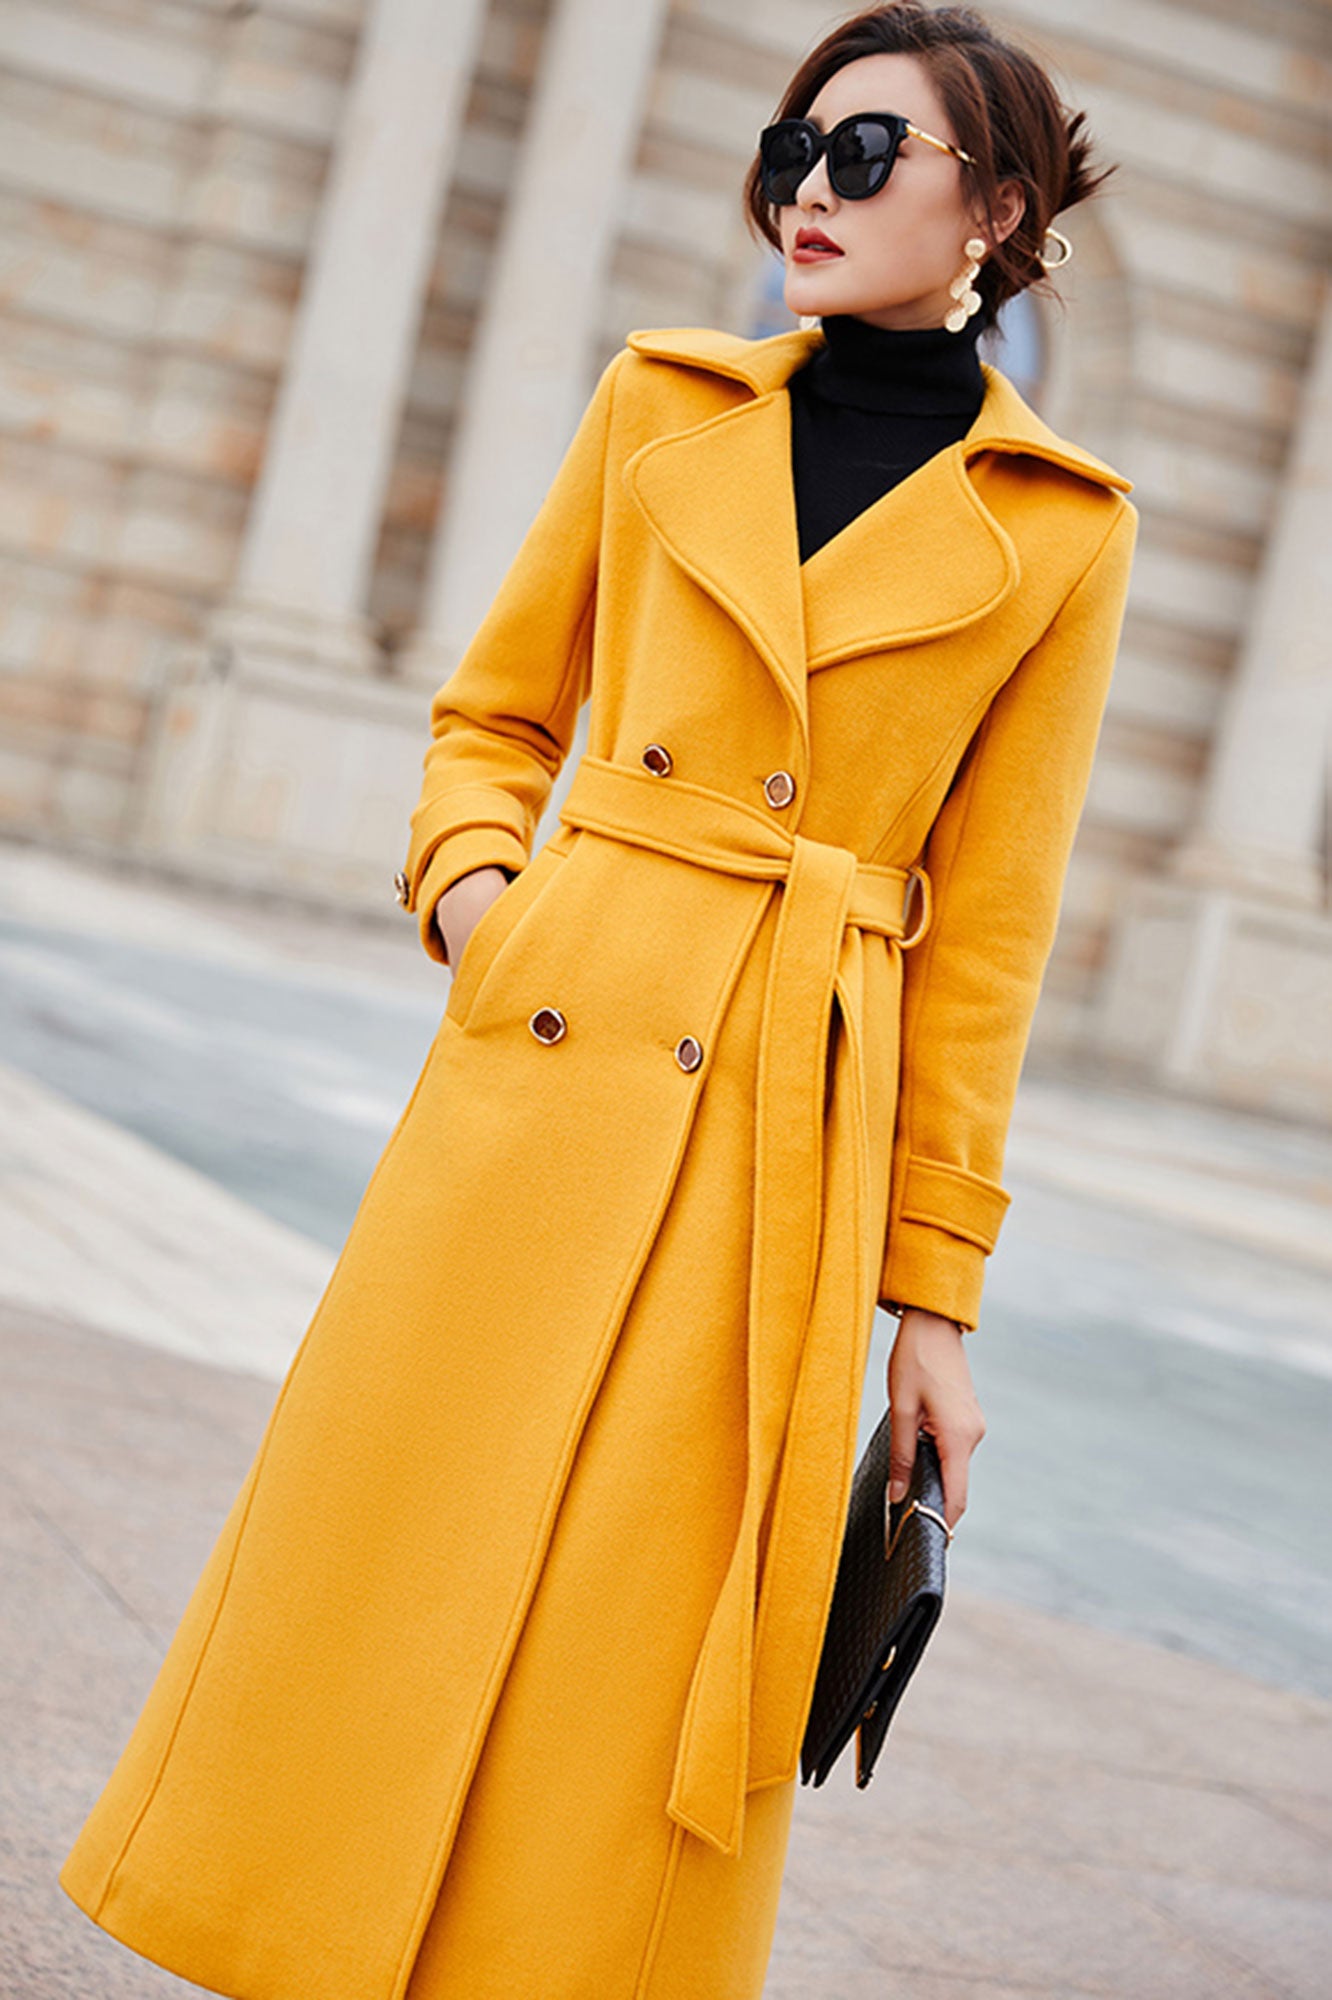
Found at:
[824, 889]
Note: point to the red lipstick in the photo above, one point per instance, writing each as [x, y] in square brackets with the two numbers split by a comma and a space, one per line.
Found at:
[813, 246]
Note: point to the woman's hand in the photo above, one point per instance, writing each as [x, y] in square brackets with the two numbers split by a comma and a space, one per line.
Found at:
[929, 1388]
[461, 907]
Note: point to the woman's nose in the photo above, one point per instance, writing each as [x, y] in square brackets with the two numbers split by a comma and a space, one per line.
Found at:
[815, 191]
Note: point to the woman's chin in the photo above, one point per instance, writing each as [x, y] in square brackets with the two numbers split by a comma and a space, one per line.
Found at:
[812, 301]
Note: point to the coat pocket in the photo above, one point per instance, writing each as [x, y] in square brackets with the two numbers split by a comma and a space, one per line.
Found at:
[491, 931]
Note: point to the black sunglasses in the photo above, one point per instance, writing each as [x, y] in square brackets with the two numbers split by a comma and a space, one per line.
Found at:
[861, 150]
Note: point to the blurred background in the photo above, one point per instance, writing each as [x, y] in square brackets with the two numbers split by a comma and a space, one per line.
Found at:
[300, 304]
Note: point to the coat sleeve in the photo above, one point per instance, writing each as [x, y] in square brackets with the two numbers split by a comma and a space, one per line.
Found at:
[996, 855]
[503, 722]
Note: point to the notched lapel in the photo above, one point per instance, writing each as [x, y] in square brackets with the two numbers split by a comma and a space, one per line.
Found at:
[721, 498]
[925, 559]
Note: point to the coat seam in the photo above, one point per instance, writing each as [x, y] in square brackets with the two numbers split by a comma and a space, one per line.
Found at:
[657, 1928]
[967, 727]
[965, 730]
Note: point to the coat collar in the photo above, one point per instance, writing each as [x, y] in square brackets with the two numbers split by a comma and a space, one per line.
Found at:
[721, 497]
[1005, 422]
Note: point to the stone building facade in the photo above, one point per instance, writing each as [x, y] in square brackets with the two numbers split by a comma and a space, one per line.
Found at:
[302, 300]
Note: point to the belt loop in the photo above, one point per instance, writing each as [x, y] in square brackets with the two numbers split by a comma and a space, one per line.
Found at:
[905, 944]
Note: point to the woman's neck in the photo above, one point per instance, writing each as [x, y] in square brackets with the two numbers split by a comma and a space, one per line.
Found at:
[913, 370]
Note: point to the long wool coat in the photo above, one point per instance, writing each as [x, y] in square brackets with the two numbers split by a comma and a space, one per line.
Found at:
[496, 1678]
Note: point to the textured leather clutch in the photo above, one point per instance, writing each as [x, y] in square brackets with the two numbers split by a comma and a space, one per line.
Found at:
[886, 1602]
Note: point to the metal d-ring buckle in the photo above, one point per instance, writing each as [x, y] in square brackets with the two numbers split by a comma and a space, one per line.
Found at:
[905, 944]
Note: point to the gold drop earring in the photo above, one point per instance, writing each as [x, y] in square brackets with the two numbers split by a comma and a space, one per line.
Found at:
[962, 289]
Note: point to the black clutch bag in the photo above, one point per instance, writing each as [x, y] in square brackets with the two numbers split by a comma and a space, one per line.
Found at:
[886, 1602]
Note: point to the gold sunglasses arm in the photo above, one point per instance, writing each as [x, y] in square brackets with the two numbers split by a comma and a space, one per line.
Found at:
[942, 144]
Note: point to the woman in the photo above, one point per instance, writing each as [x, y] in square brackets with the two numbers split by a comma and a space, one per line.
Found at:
[495, 1681]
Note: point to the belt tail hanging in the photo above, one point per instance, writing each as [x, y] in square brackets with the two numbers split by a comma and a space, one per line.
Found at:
[712, 1762]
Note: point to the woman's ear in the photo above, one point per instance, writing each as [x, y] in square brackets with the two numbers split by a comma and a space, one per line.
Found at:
[1009, 210]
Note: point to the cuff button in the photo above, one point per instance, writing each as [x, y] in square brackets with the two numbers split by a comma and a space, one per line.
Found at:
[402, 888]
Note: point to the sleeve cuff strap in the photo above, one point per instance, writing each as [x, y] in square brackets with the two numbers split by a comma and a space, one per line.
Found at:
[953, 1198]
[451, 814]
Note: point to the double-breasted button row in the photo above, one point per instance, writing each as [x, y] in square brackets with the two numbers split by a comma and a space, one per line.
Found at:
[779, 788]
[549, 1025]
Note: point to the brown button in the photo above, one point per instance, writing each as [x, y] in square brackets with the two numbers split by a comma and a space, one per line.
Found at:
[658, 759]
[402, 888]
[779, 789]
[548, 1024]
[689, 1052]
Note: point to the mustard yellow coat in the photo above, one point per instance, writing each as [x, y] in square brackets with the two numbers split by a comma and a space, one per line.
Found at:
[496, 1678]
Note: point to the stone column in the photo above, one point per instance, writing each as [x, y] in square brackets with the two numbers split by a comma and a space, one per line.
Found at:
[527, 380]
[314, 522]
[1220, 975]
[1262, 825]
[276, 756]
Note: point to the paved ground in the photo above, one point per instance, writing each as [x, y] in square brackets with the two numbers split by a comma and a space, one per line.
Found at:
[1084, 1794]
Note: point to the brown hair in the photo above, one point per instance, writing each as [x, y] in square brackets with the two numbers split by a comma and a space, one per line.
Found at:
[1004, 110]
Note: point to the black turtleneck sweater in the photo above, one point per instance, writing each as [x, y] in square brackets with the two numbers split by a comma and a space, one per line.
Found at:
[869, 408]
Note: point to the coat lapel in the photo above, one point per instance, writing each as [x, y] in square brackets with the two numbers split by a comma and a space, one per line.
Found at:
[720, 497]
[925, 559]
